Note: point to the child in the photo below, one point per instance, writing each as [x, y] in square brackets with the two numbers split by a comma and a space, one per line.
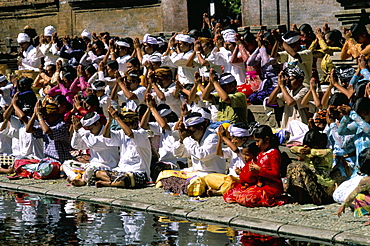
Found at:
[310, 181]
[260, 181]
[361, 194]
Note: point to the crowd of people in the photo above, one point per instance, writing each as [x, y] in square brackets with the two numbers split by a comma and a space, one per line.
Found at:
[124, 112]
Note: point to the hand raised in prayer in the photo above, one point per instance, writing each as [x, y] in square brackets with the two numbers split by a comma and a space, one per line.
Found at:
[221, 131]
[101, 66]
[197, 78]
[281, 79]
[76, 123]
[213, 78]
[77, 101]
[79, 71]
[113, 113]
[184, 110]
[331, 114]
[197, 46]
[319, 34]
[295, 28]
[333, 78]
[183, 132]
[219, 41]
[172, 41]
[137, 44]
[38, 107]
[118, 76]
[42, 39]
[94, 36]
[276, 34]
[88, 47]
[347, 33]
[325, 28]
[344, 110]
[313, 85]
[149, 100]
[112, 46]
[15, 98]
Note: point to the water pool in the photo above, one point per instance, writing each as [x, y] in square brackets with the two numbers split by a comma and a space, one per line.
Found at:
[27, 219]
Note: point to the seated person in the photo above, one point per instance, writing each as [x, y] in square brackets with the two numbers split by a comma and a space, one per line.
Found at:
[289, 93]
[232, 105]
[88, 134]
[135, 152]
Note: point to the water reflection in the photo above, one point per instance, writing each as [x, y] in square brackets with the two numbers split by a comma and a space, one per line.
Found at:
[37, 220]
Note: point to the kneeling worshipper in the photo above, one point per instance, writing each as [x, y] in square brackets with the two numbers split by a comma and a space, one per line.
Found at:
[88, 134]
[133, 169]
[199, 143]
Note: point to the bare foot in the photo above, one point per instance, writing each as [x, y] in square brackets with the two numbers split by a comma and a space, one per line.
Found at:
[212, 192]
[367, 223]
[78, 182]
[101, 183]
[118, 184]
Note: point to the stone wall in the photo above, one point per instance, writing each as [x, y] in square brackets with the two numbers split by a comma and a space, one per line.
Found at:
[314, 12]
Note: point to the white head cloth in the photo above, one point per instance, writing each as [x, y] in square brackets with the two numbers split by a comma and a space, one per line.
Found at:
[228, 35]
[205, 114]
[23, 38]
[161, 41]
[185, 38]
[149, 39]
[90, 121]
[155, 58]
[2, 78]
[97, 88]
[86, 33]
[193, 121]
[49, 30]
[291, 40]
[164, 112]
[226, 79]
[238, 132]
[124, 44]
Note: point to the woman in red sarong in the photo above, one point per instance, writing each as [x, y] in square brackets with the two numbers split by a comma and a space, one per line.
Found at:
[260, 183]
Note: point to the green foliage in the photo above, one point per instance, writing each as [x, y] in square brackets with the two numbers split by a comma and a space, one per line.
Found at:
[234, 6]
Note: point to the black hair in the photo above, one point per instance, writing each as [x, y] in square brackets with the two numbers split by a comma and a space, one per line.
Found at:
[338, 99]
[53, 67]
[99, 83]
[78, 44]
[99, 44]
[364, 161]
[60, 99]
[264, 131]
[362, 105]
[90, 68]
[113, 65]
[70, 69]
[194, 33]
[241, 125]
[69, 76]
[314, 138]
[92, 100]
[306, 28]
[25, 84]
[251, 146]
[89, 115]
[134, 61]
[336, 37]
[128, 40]
[249, 37]
[269, 37]
[358, 29]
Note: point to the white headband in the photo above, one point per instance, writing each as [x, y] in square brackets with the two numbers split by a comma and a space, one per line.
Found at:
[154, 58]
[238, 132]
[205, 114]
[98, 88]
[90, 121]
[164, 112]
[23, 38]
[226, 79]
[86, 33]
[124, 44]
[184, 38]
[291, 40]
[228, 35]
[193, 121]
[2, 78]
[149, 40]
[49, 30]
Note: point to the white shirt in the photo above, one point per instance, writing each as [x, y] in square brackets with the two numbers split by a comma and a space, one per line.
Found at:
[49, 51]
[23, 143]
[135, 153]
[185, 74]
[122, 67]
[90, 58]
[173, 102]
[235, 160]
[30, 61]
[101, 151]
[5, 144]
[5, 98]
[203, 154]
[167, 140]
[132, 104]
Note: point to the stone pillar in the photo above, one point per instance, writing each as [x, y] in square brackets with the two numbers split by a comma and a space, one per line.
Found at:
[65, 17]
[174, 15]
